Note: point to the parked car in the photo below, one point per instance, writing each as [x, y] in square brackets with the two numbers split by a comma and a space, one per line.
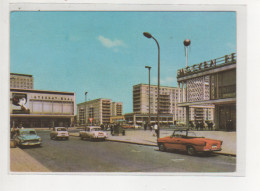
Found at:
[186, 140]
[93, 133]
[59, 133]
[26, 137]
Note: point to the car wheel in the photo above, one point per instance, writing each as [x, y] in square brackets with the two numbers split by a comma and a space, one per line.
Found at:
[191, 150]
[162, 147]
[67, 138]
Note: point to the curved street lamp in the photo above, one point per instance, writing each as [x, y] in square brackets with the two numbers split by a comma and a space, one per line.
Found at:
[148, 35]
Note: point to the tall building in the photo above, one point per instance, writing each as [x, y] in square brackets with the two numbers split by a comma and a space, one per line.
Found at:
[41, 108]
[117, 108]
[170, 112]
[21, 81]
[169, 98]
[211, 83]
[96, 111]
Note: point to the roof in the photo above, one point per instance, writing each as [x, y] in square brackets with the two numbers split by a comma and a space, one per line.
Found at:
[16, 74]
[161, 86]
[40, 91]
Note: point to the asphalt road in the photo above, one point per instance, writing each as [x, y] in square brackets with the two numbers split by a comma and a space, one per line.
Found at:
[77, 155]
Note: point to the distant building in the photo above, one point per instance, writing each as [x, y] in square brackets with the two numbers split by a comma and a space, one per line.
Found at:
[41, 108]
[96, 111]
[22, 81]
[170, 112]
[117, 108]
[169, 98]
[211, 83]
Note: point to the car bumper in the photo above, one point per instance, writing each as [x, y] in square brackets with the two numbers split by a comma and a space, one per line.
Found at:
[209, 150]
[30, 143]
[62, 136]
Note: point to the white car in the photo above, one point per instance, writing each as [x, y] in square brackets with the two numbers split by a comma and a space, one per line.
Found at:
[59, 133]
[93, 133]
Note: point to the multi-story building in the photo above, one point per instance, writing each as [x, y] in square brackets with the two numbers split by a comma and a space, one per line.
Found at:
[211, 83]
[96, 111]
[117, 108]
[169, 97]
[169, 110]
[40, 108]
[22, 81]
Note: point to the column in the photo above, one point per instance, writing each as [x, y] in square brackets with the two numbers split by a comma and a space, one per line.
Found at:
[216, 117]
[187, 116]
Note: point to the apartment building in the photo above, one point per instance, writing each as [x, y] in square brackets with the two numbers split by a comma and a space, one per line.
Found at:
[94, 112]
[169, 97]
[21, 81]
[117, 108]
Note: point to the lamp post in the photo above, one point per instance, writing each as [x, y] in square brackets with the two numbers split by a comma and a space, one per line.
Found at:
[149, 121]
[148, 35]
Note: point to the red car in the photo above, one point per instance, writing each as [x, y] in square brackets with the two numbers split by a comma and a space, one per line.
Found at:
[186, 140]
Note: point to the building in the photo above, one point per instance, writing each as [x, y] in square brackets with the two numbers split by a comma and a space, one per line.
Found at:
[117, 109]
[211, 83]
[41, 108]
[96, 111]
[168, 101]
[170, 112]
[22, 81]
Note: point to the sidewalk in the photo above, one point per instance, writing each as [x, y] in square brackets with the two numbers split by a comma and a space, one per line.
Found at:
[147, 138]
[20, 161]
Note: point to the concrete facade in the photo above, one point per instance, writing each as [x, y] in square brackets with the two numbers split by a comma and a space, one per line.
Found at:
[211, 83]
[98, 110]
[21, 81]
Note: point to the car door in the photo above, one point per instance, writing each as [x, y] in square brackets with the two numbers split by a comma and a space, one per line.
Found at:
[178, 141]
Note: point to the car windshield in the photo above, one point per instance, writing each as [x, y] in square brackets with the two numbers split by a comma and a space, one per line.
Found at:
[28, 133]
[61, 129]
[184, 133]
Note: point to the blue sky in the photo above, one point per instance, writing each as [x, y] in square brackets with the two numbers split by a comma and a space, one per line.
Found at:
[105, 53]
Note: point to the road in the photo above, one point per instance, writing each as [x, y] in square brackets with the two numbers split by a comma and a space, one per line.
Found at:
[77, 155]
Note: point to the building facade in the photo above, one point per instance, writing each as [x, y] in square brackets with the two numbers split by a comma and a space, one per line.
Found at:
[96, 112]
[211, 83]
[117, 108]
[40, 108]
[169, 97]
[21, 81]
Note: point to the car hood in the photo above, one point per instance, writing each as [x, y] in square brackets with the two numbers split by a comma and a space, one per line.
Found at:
[29, 137]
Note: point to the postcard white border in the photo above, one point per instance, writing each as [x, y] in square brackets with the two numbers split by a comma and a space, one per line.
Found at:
[241, 99]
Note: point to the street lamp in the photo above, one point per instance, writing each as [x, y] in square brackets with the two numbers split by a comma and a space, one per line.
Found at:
[149, 121]
[148, 35]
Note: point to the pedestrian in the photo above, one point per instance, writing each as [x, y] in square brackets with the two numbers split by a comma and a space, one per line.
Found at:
[201, 125]
[156, 129]
[145, 126]
[197, 125]
[112, 129]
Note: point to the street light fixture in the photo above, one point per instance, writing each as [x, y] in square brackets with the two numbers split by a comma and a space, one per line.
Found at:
[149, 121]
[148, 35]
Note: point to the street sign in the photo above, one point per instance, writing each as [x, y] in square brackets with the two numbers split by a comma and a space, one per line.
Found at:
[90, 119]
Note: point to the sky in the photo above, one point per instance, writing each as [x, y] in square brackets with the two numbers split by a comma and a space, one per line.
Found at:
[105, 53]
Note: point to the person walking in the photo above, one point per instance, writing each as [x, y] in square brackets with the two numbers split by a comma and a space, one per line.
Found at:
[156, 129]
